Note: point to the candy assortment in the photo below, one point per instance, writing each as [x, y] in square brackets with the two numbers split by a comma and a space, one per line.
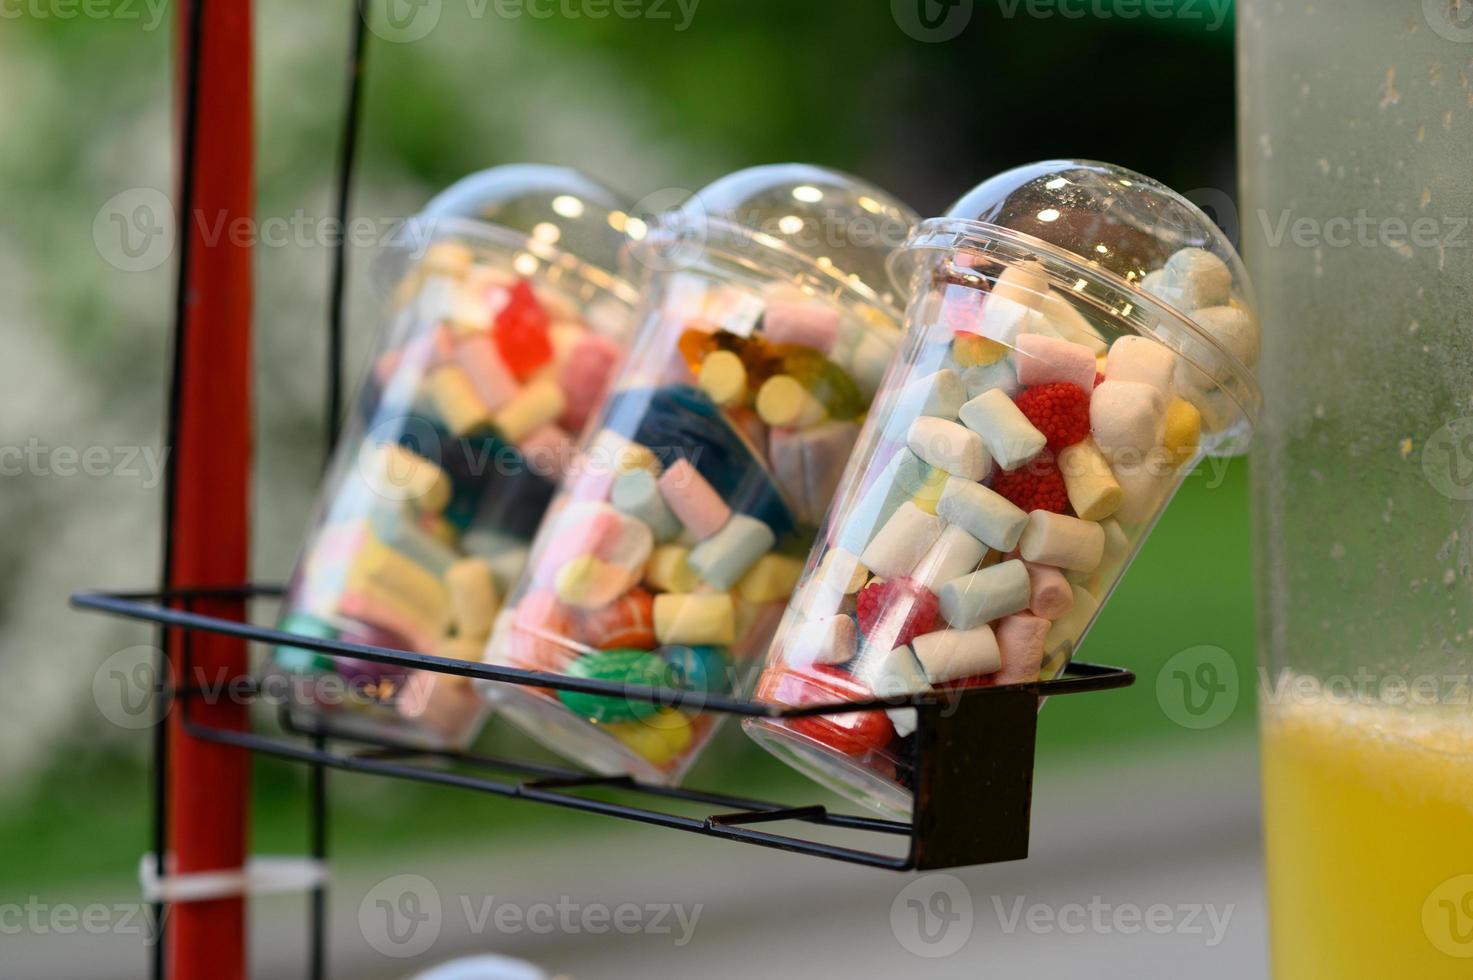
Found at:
[681, 531]
[501, 349]
[1049, 404]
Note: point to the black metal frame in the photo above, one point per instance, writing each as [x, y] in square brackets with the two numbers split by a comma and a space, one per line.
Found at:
[973, 748]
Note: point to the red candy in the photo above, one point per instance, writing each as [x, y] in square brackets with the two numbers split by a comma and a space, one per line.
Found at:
[855, 733]
[1099, 379]
[880, 602]
[1060, 411]
[521, 332]
[1037, 485]
[626, 623]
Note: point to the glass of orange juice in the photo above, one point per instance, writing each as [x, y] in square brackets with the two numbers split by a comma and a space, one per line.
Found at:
[1356, 136]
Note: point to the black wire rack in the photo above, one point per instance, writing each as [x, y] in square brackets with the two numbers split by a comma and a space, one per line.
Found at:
[973, 753]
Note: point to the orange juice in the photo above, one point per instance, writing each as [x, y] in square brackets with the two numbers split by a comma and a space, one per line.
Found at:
[1368, 816]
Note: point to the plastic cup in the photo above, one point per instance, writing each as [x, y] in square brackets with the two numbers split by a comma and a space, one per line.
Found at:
[1078, 336]
[507, 324]
[667, 559]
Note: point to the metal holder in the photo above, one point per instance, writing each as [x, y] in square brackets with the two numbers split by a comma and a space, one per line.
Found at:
[974, 748]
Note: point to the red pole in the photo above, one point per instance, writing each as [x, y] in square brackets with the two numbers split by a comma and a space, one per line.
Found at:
[208, 788]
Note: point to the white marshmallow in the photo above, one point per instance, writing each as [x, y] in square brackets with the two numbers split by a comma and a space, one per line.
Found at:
[1117, 543]
[987, 516]
[940, 395]
[950, 655]
[1142, 359]
[1067, 323]
[983, 596]
[1064, 636]
[895, 674]
[871, 357]
[1093, 490]
[1197, 278]
[985, 377]
[1232, 328]
[1006, 432]
[902, 542]
[1041, 359]
[950, 447]
[1126, 415]
[831, 640]
[953, 555]
[1143, 487]
[1012, 303]
[1063, 541]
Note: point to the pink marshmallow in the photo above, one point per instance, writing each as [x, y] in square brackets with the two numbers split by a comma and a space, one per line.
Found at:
[584, 377]
[807, 324]
[693, 500]
[1044, 360]
[1050, 594]
[488, 374]
[548, 451]
[1020, 640]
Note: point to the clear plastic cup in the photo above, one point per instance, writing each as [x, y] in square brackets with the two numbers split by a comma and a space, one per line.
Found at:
[1078, 336]
[766, 327]
[508, 321]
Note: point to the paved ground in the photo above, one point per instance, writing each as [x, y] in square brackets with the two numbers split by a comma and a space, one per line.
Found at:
[1150, 871]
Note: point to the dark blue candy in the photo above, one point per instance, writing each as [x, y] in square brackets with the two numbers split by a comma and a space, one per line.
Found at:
[698, 668]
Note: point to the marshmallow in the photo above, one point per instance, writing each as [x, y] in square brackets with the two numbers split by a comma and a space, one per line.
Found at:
[448, 259]
[1020, 642]
[589, 583]
[1197, 278]
[771, 578]
[694, 501]
[783, 401]
[1094, 493]
[808, 325]
[1182, 431]
[668, 570]
[939, 395]
[1041, 359]
[486, 371]
[950, 655]
[613, 454]
[871, 356]
[396, 473]
[595, 528]
[985, 515]
[953, 555]
[983, 378]
[928, 495]
[1117, 543]
[902, 542]
[1067, 323]
[903, 476]
[1064, 636]
[548, 450]
[984, 596]
[831, 640]
[808, 464]
[1126, 415]
[1050, 595]
[1232, 328]
[638, 495]
[971, 350]
[839, 574]
[1057, 539]
[456, 401]
[446, 704]
[1142, 359]
[1143, 486]
[695, 618]
[723, 377]
[1008, 435]
[895, 674]
[1012, 302]
[584, 377]
[473, 599]
[537, 404]
[723, 558]
[950, 447]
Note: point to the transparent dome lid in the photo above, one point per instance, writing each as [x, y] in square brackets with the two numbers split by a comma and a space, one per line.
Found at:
[818, 225]
[1117, 241]
[555, 215]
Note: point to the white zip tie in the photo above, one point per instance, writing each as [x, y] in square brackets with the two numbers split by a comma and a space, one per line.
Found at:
[260, 876]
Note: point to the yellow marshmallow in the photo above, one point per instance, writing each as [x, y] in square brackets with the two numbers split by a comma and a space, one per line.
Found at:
[667, 570]
[773, 577]
[724, 378]
[473, 598]
[695, 618]
[1183, 430]
[456, 400]
[782, 401]
[929, 493]
[534, 406]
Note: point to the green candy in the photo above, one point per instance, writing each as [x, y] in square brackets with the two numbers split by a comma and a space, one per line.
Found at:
[628, 667]
[827, 382]
[297, 660]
